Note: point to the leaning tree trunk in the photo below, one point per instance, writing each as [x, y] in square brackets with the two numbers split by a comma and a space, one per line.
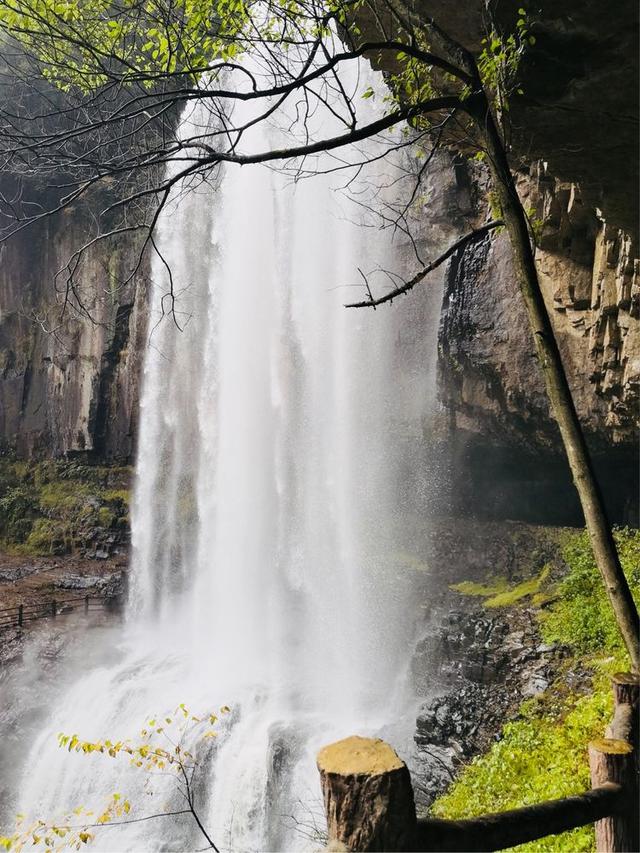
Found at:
[562, 406]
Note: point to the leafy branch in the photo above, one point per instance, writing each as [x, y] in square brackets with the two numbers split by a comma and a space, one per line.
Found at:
[170, 755]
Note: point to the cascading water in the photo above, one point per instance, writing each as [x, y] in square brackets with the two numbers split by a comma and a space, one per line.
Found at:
[264, 509]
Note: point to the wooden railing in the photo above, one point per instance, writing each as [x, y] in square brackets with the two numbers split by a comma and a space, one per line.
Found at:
[20, 615]
[369, 800]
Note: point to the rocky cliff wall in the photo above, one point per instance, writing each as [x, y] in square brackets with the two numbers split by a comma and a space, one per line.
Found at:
[504, 448]
[575, 145]
[69, 377]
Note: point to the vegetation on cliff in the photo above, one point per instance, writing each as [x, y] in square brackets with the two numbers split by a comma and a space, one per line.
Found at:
[59, 507]
[542, 754]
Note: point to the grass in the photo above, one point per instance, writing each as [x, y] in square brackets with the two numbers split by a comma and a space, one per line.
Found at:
[543, 753]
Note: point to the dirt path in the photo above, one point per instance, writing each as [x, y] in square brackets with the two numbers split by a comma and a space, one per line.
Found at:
[36, 580]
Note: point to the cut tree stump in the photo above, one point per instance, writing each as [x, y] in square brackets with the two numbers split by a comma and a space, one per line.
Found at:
[368, 796]
[612, 760]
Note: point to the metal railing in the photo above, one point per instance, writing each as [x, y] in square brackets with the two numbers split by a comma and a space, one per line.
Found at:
[20, 615]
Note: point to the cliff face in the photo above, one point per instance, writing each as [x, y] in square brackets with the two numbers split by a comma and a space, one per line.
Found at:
[505, 448]
[69, 378]
[575, 147]
[69, 384]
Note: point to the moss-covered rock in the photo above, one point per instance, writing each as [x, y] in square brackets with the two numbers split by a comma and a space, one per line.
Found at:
[500, 593]
[55, 507]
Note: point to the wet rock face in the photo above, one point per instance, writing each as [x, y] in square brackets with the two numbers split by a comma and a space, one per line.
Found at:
[496, 415]
[473, 666]
[486, 666]
[68, 377]
[575, 150]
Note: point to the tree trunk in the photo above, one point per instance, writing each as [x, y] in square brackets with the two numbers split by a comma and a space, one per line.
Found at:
[562, 406]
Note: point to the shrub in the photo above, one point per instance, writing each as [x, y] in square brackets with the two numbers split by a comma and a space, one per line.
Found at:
[48, 536]
[17, 508]
[582, 616]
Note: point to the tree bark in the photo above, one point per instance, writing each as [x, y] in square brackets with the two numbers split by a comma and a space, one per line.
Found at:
[562, 406]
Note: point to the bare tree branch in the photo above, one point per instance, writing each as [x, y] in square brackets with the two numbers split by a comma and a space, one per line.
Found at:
[462, 243]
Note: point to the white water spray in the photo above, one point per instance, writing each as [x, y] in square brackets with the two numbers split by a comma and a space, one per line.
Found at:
[264, 507]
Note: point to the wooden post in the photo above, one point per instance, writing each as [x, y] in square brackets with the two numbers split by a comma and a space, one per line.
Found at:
[20, 615]
[368, 797]
[54, 608]
[626, 688]
[86, 604]
[626, 694]
[612, 760]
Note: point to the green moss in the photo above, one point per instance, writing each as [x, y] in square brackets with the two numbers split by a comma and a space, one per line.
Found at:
[64, 495]
[50, 507]
[496, 587]
[498, 593]
[48, 536]
[21, 470]
[106, 517]
[522, 590]
[409, 561]
[116, 496]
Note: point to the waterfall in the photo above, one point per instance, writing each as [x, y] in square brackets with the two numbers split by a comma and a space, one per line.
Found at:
[264, 515]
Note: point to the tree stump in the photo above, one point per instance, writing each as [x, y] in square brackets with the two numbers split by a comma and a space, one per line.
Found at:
[626, 688]
[613, 761]
[368, 797]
